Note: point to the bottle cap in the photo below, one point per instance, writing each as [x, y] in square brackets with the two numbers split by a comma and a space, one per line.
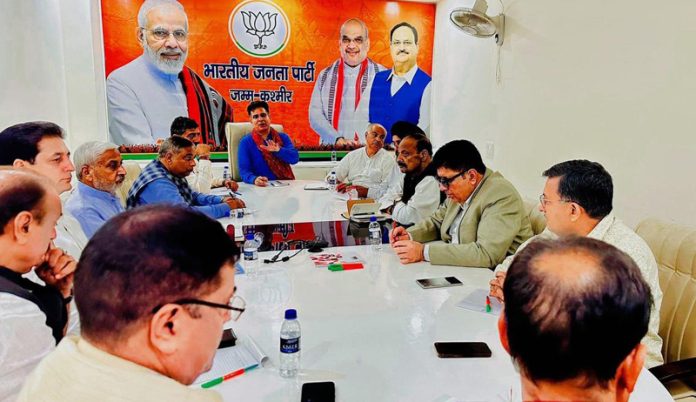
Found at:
[290, 314]
[373, 219]
[249, 236]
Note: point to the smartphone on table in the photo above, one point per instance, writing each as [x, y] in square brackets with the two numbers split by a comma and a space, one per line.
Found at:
[318, 392]
[433, 283]
[462, 349]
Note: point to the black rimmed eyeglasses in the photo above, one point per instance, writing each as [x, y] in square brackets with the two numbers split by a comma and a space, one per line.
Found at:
[236, 305]
[446, 181]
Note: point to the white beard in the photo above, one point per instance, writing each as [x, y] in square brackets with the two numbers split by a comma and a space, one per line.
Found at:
[165, 65]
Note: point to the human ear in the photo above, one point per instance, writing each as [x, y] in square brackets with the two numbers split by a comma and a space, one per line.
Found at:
[21, 226]
[628, 371]
[575, 211]
[165, 327]
[502, 332]
[86, 172]
[18, 163]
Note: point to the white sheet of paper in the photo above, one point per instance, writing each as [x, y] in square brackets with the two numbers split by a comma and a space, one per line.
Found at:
[476, 301]
[244, 354]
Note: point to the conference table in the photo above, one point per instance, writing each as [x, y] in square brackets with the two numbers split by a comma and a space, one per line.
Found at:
[370, 331]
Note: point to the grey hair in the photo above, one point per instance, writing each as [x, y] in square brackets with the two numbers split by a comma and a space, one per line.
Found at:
[148, 5]
[372, 125]
[359, 21]
[88, 153]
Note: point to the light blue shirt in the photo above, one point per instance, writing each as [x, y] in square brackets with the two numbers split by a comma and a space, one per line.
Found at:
[92, 207]
[142, 102]
[164, 191]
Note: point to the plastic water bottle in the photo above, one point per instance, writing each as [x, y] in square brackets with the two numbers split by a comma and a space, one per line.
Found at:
[333, 156]
[332, 180]
[251, 254]
[290, 345]
[375, 238]
[226, 173]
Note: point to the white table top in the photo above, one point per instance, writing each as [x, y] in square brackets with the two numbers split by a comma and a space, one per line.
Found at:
[372, 331]
[288, 204]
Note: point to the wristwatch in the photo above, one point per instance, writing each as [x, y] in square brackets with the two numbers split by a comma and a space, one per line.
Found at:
[68, 299]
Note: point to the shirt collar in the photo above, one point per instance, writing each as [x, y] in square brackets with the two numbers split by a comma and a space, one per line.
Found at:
[602, 227]
[376, 153]
[87, 191]
[408, 77]
[473, 193]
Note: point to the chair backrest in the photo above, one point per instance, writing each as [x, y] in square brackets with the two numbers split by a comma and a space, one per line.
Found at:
[133, 170]
[536, 218]
[234, 133]
[674, 248]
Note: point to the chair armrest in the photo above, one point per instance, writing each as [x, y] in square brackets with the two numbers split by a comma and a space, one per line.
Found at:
[675, 370]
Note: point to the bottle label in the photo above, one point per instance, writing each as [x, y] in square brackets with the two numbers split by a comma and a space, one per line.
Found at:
[291, 345]
[250, 255]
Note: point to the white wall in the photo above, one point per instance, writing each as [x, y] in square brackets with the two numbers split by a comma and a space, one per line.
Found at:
[613, 82]
[41, 41]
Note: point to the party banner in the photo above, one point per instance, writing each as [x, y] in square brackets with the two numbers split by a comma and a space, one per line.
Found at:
[287, 53]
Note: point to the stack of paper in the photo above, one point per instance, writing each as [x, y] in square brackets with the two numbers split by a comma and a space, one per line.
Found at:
[245, 353]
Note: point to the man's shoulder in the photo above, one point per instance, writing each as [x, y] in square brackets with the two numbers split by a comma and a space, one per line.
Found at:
[498, 186]
[627, 240]
[15, 307]
[383, 75]
[419, 71]
[127, 72]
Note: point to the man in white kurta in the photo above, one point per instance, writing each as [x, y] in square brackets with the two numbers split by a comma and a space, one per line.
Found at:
[421, 191]
[342, 86]
[567, 216]
[367, 169]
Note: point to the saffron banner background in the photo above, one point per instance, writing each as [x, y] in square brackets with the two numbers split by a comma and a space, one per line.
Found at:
[314, 36]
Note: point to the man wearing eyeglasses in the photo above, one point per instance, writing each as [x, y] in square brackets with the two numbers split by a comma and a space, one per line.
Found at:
[577, 201]
[154, 288]
[482, 221]
[402, 93]
[333, 110]
[145, 95]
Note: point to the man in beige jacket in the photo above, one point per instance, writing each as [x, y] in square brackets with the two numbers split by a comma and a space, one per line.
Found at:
[481, 222]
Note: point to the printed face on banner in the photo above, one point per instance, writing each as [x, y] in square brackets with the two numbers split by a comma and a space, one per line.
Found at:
[354, 43]
[165, 39]
[209, 60]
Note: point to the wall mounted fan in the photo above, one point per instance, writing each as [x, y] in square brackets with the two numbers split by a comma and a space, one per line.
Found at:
[475, 22]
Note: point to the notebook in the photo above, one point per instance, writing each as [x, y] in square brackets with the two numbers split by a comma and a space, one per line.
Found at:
[244, 354]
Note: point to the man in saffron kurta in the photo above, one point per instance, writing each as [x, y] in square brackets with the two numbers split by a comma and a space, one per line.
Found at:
[340, 87]
[265, 154]
[402, 93]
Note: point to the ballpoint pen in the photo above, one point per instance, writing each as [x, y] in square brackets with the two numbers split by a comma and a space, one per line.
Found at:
[228, 376]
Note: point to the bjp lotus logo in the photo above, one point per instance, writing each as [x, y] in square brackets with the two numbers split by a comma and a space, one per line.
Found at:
[259, 28]
[259, 25]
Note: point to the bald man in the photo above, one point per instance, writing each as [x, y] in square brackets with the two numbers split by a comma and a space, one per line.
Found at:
[367, 169]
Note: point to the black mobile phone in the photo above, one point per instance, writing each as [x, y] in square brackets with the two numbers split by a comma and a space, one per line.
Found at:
[432, 283]
[462, 349]
[318, 392]
[228, 339]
